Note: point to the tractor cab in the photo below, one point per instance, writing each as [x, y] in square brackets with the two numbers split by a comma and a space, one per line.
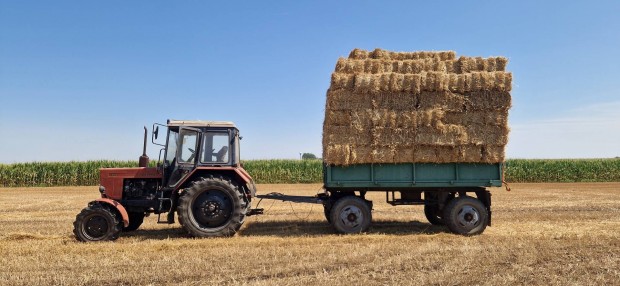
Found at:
[192, 144]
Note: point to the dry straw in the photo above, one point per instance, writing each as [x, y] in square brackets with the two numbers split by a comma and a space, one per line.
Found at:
[428, 107]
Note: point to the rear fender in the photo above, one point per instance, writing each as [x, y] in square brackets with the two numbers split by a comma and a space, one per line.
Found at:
[121, 210]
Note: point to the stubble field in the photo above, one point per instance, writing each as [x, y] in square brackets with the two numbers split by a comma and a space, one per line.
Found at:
[543, 234]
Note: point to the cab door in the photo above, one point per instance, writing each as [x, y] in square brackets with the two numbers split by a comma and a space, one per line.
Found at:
[186, 154]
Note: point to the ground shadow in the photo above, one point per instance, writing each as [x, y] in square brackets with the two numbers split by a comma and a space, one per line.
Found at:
[292, 228]
[297, 228]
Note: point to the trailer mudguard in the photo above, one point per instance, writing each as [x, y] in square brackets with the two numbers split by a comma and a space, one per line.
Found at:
[118, 207]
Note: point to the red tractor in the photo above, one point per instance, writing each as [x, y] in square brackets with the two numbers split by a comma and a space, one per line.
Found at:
[200, 178]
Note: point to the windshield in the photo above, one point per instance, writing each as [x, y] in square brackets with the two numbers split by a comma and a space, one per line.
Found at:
[173, 137]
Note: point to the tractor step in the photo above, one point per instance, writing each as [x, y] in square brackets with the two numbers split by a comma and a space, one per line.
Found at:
[169, 216]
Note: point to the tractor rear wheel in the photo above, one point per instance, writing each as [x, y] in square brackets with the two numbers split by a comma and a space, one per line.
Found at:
[212, 207]
[466, 215]
[135, 221]
[97, 222]
[351, 214]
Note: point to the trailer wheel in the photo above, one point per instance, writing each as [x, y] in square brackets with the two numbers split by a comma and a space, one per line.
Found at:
[135, 221]
[351, 214]
[466, 216]
[433, 214]
[96, 223]
[327, 211]
[212, 207]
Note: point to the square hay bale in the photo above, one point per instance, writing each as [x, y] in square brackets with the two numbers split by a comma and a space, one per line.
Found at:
[492, 154]
[488, 101]
[441, 100]
[424, 154]
[342, 135]
[487, 134]
[497, 118]
[338, 117]
[383, 154]
[471, 153]
[358, 54]
[393, 136]
[361, 154]
[404, 154]
[336, 154]
[346, 100]
[446, 135]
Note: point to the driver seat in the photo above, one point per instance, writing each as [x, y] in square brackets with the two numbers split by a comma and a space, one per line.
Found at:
[220, 155]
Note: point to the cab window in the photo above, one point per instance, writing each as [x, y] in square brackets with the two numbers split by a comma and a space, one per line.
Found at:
[215, 147]
[189, 143]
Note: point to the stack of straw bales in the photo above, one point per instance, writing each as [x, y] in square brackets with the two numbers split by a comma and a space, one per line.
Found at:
[424, 107]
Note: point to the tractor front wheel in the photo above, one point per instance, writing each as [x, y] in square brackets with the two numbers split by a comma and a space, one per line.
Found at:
[97, 222]
[212, 207]
[135, 221]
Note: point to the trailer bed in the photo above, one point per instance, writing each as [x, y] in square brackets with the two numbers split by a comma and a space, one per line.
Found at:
[412, 175]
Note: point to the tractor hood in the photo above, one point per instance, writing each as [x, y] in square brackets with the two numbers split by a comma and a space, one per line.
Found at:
[112, 178]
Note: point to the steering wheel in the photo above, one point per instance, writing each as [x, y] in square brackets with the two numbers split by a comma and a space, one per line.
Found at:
[191, 158]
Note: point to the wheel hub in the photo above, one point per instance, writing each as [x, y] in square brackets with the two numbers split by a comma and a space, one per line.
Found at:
[351, 216]
[96, 226]
[212, 208]
[468, 216]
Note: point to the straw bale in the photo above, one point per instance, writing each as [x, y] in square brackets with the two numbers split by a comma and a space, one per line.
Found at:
[427, 107]
[342, 135]
[445, 135]
[338, 117]
[342, 99]
[393, 136]
[498, 101]
[358, 54]
[492, 154]
[361, 154]
[497, 118]
[336, 154]
[444, 100]
[487, 134]
[404, 154]
[425, 81]
[413, 66]
[424, 154]
[471, 153]
[383, 154]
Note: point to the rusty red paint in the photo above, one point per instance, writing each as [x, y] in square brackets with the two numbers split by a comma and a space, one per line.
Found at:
[241, 173]
[112, 178]
[118, 207]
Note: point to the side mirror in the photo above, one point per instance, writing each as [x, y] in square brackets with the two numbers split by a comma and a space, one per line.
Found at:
[156, 131]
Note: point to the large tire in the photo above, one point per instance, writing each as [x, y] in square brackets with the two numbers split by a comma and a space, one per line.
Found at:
[351, 214]
[212, 207]
[466, 216]
[135, 221]
[327, 211]
[97, 222]
[433, 214]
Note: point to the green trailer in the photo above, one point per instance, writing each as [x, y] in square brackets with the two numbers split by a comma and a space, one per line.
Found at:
[453, 194]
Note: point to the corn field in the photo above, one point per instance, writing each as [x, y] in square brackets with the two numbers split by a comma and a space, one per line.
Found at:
[303, 171]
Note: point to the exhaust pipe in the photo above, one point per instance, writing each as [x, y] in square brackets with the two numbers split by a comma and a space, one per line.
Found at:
[144, 160]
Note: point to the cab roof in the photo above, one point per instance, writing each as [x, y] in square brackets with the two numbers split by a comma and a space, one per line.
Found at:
[201, 123]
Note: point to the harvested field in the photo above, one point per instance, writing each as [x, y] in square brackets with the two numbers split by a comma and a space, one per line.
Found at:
[542, 234]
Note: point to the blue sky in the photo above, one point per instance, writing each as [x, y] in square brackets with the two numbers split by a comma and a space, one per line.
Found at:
[79, 79]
